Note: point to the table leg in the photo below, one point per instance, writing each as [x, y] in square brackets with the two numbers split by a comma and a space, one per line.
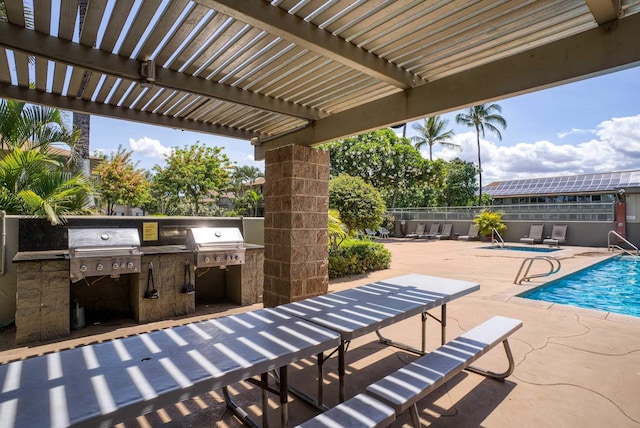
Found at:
[284, 396]
[315, 402]
[443, 323]
[341, 370]
[424, 332]
[320, 379]
[264, 377]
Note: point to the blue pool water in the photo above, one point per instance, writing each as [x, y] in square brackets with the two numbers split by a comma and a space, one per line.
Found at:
[516, 248]
[613, 286]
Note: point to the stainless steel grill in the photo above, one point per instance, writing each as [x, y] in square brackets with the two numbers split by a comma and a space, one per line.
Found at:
[103, 251]
[216, 246]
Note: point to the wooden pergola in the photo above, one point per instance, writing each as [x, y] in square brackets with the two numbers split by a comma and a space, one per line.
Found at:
[304, 72]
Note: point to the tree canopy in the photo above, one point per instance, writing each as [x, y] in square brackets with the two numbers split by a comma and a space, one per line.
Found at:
[460, 184]
[121, 182]
[194, 173]
[384, 160]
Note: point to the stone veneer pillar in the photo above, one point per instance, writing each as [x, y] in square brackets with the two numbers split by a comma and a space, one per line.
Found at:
[296, 193]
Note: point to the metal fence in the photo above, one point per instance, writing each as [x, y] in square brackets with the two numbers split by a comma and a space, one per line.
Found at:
[594, 211]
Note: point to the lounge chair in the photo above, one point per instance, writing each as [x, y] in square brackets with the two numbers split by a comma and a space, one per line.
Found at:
[383, 233]
[471, 235]
[534, 236]
[418, 233]
[558, 235]
[433, 231]
[446, 232]
[371, 233]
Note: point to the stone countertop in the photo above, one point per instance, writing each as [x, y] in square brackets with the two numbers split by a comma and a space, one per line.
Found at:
[34, 256]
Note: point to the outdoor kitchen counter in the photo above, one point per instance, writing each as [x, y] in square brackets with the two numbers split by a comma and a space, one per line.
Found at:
[35, 256]
[50, 255]
[44, 288]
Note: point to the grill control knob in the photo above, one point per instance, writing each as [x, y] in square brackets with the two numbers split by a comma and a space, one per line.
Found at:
[122, 265]
[115, 266]
[228, 258]
[130, 265]
[99, 267]
[218, 258]
[236, 257]
[83, 268]
[207, 259]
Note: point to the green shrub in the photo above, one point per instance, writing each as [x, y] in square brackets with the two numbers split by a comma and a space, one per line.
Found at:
[487, 220]
[358, 257]
[359, 203]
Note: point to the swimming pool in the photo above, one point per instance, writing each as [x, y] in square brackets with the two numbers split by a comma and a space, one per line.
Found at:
[612, 285]
[520, 248]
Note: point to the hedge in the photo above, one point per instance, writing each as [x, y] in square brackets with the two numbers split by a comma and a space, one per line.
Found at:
[355, 256]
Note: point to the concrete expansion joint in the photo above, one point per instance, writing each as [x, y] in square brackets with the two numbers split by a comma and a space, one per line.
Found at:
[549, 341]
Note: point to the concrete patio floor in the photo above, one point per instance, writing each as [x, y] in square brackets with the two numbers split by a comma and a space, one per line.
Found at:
[574, 367]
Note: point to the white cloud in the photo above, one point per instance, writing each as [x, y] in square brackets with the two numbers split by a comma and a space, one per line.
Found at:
[616, 147]
[149, 147]
[251, 159]
[575, 131]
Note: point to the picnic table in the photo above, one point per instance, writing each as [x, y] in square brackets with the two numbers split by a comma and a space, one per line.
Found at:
[106, 383]
[369, 308]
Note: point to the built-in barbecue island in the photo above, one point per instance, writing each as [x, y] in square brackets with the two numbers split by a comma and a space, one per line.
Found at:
[93, 269]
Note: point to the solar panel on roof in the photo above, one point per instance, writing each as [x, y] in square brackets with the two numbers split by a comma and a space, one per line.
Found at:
[601, 182]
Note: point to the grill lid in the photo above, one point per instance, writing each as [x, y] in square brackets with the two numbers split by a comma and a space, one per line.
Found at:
[82, 240]
[205, 238]
[103, 251]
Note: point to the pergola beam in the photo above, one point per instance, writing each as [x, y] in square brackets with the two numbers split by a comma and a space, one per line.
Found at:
[604, 11]
[587, 54]
[56, 49]
[75, 104]
[262, 15]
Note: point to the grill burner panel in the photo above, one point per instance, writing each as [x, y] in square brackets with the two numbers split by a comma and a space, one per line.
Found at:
[97, 252]
[216, 246]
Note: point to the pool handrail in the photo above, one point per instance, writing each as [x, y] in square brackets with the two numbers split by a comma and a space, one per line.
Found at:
[611, 246]
[554, 264]
[498, 240]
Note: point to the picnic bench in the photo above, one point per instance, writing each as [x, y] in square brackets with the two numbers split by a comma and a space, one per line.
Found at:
[106, 383]
[371, 307]
[402, 389]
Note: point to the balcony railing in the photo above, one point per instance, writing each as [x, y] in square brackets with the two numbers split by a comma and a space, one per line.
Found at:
[594, 211]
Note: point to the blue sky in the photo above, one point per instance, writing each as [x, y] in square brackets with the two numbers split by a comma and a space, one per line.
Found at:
[588, 126]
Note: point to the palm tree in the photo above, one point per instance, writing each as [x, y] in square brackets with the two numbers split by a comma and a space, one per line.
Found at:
[479, 117]
[32, 180]
[82, 121]
[32, 183]
[32, 127]
[432, 132]
[243, 177]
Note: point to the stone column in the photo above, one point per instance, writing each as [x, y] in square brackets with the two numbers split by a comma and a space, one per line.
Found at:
[296, 194]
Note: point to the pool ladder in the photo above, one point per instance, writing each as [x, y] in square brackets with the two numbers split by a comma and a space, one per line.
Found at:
[496, 238]
[554, 267]
[612, 246]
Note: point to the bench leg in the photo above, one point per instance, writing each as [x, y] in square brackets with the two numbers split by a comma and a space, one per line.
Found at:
[415, 418]
[239, 411]
[497, 376]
